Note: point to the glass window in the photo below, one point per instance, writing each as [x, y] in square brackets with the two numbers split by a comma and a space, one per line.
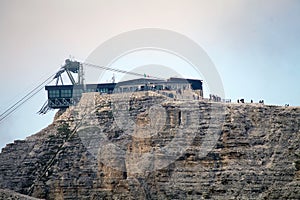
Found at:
[103, 90]
[66, 93]
[91, 90]
[53, 93]
[77, 92]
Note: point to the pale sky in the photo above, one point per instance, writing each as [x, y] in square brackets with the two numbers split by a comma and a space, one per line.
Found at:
[254, 45]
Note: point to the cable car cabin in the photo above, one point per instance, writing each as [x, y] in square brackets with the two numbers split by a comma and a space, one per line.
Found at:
[63, 96]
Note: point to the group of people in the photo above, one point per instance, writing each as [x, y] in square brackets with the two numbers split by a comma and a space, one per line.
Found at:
[215, 98]
[261, 101]
[251, 101]
[241, 100]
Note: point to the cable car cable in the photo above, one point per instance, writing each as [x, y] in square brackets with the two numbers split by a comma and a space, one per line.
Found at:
[119, 70]
[38, 88]
[29, 95]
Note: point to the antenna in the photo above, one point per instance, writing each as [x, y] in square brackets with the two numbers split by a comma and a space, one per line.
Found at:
[113, 79]
[81, 75]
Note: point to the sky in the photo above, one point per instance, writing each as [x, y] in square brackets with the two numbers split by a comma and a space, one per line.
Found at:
[253, 44]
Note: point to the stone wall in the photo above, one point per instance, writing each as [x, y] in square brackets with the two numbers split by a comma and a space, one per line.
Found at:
[148, 146]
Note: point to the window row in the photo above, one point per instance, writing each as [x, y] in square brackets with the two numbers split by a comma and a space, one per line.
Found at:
[68, 93]
[60, 93]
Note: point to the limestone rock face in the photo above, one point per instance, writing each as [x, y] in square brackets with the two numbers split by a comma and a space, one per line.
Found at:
[11, 195]
[148, 146]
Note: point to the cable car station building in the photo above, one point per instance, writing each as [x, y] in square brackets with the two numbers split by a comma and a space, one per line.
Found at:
[63, 96]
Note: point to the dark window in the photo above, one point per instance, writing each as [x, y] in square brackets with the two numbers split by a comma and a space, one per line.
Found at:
[91, 90]
[66, 93]
[53, 93]
[77, 92]
[103, 90]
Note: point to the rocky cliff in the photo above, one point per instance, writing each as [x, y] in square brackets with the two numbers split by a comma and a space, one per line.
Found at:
[148, 146]
[11, 195]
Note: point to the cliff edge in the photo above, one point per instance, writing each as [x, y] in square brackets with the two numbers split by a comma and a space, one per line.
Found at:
[148, 146]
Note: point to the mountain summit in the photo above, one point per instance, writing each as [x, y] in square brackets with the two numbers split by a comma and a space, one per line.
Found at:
[147, 145]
